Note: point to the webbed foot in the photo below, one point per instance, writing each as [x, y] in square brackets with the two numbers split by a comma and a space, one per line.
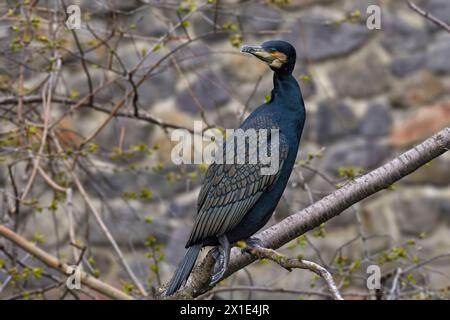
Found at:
[222, 256]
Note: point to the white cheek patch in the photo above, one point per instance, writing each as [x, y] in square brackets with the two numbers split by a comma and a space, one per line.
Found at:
[276, 63]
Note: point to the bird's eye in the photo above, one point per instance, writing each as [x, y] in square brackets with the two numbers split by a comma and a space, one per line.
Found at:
[272, 50]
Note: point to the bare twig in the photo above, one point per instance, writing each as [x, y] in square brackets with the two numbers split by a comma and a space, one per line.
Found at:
[54, 263]
[394, 288]
[46, 102]
[69, 209]
[143, 115]
[292, 263]
[429, 16]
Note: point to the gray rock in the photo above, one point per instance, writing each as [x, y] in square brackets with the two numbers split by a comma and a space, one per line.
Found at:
[362, 154]
[360, 79]
[195, 56]
[210, 90]
[346, 218]
[335, 120]
[135, 132]
[400, 36]
[416, 214]
[308, 87]
[298, 4]
[438, 57]
[435, 173]
[257, 17]
[175, 247]
[147, 22]
[419, 89]
[159, 84]
[404, 66]
[444, 206]
[140, 266]
[319, 41]
[129, 229]
[101, 7]
[376, 122]
[114, 184]
[361, 5]
[309, 131]
[203, 25]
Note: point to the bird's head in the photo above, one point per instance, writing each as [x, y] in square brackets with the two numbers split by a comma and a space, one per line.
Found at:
[279, 55]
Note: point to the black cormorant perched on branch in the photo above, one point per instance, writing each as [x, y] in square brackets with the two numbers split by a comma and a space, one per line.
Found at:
[236, 200]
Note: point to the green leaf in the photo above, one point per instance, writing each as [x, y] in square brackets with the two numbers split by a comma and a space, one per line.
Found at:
[53, 205]
[156, 48]
[146, 194]
[39, 238]
[148, 220]
[37, 272]
[236, 40]
[92, 147]
[74, 93]
[305, 77]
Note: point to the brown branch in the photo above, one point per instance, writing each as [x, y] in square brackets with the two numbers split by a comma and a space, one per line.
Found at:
[56, 264]
[323, 210]
[294, 263]
[46, 103]
[429, 16]
[82, 57]
[143, 115]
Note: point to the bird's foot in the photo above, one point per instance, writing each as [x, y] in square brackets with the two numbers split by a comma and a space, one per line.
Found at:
[219, 268]
[222, 256]
[251, 243]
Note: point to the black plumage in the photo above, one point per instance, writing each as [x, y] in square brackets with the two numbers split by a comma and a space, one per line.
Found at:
[236, 200]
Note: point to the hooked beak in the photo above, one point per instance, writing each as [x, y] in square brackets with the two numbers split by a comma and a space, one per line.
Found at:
[275, 59]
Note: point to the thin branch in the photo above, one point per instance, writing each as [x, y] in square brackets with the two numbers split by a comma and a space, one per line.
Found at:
[143, 115]
[56, 264]
[294, 263]
[393, 291]
[82, 58]
[46, 103]
[429, 16]
[69, 209]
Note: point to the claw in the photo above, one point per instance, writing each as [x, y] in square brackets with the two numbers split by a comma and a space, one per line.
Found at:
[222, 255]
[252, 243]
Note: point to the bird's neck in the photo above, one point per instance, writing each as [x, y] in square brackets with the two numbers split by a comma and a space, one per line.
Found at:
[286, 92]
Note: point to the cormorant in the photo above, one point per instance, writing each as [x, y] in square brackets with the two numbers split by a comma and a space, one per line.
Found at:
[236, 200]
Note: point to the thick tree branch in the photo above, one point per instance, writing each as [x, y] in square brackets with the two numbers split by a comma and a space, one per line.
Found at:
[54, 263]
[324, 209]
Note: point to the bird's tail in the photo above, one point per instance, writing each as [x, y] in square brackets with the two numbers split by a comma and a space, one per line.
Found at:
[184, 269]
